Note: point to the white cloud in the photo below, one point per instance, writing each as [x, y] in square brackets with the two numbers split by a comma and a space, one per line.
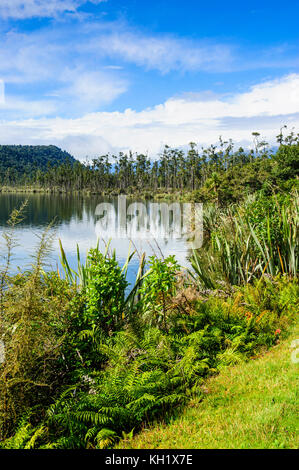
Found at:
[29, 58]
[165, 53]
[22, 9]
[49, 69]
[70, 62]
[77, 91]
[93, 88]
[265, 108]
[14, 105]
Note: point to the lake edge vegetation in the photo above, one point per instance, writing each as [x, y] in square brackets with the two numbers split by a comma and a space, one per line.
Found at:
[89, 360]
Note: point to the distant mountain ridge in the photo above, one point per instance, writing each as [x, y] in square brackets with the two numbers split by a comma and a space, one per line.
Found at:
[23, 159]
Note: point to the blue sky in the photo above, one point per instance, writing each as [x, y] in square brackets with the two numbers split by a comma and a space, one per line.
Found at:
[103, 76]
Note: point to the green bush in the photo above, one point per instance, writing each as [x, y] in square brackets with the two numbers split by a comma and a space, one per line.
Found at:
[158, 289]
[105, 292]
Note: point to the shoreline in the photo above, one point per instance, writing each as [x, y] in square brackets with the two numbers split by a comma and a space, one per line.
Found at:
[179, 196]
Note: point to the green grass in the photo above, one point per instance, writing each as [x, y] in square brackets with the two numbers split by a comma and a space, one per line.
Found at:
[252, 405]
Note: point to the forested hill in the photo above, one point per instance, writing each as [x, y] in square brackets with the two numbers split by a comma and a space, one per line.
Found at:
[25, 159]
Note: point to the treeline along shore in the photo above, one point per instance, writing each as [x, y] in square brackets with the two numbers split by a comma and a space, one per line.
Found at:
[220, 173]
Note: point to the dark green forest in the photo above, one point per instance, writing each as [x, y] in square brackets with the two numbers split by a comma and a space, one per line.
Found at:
[18, 163]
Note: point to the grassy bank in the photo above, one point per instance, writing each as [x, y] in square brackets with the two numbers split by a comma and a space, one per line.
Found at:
[252, 405]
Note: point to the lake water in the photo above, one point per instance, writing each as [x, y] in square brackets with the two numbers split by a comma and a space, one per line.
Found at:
[84, 220]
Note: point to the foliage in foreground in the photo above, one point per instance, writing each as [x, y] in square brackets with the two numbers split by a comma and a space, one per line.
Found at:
[87, 363]
[249, 406]
[247, 241]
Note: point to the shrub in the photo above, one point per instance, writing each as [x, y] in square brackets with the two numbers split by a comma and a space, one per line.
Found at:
[158, 289]
[105, 292]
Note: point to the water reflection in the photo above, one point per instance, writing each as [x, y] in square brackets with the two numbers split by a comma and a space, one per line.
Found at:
[77, 220]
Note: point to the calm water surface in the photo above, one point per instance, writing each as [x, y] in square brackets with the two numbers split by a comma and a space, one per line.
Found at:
[78, 221]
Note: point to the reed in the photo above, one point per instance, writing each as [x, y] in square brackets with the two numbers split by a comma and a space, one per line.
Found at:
[239, 251]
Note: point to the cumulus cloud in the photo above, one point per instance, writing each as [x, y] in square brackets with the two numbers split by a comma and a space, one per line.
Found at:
[265, 107]
[22, 9]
